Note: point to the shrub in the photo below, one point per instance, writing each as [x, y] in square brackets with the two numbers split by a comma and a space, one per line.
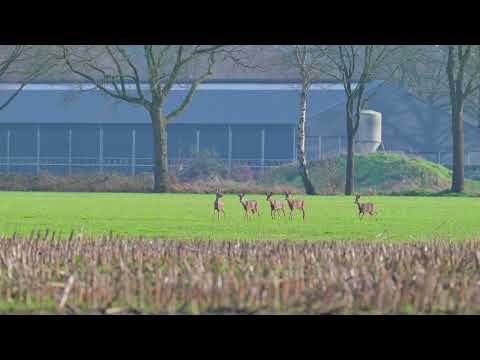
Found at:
[242, 173]
[205, 165]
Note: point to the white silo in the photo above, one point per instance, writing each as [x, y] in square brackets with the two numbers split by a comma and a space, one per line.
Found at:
[369, 134]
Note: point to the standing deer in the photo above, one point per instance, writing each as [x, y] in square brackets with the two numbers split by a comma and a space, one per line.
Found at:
[364, 208]
[295, 204]
[218, 204]
[275, 205]
[250, 206]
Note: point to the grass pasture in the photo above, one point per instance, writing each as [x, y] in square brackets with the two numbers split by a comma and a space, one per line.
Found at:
[187, 216]
[403, 262]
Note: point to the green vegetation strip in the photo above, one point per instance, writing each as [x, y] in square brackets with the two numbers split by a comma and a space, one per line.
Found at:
[186, 216]
[382, 172]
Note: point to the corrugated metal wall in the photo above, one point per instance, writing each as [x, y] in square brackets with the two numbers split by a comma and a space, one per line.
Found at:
[63, 148]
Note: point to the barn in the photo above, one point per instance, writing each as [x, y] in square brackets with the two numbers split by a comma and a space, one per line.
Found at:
[56, 127]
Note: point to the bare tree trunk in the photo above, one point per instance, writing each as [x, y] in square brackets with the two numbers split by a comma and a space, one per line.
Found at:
[160, 156]
[458, 181]
[302, 162]
[350, 164]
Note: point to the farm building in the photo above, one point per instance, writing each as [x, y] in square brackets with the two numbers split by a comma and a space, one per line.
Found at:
[57, 128]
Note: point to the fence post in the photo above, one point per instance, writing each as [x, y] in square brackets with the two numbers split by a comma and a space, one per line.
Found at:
[468, 158]
[133, 151]
[38, 151]
[320, 147]
[294, 148]
[197, 149]
[262, 160]
[8, 151]
[69, 151]
[229, 149]
[100, 134]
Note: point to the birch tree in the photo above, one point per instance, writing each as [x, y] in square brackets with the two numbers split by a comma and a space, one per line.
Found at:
[119, 71]
[306, 62]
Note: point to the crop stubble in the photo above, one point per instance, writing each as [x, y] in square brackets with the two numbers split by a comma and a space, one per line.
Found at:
[132, 275]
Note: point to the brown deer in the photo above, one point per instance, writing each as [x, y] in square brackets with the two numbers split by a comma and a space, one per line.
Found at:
[250, 206]
[218, 204]
[275, 205]
[364, 208]
[295, 204]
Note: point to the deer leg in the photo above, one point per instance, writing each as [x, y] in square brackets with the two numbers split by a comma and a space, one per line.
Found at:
[303, 212]
[283, 212]
[272, 214]
[223, 211]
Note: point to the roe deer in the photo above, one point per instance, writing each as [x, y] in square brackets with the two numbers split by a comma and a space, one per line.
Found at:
[295, 204]
[275, 205]
[218, 204]
[250, 206]
[364, 208]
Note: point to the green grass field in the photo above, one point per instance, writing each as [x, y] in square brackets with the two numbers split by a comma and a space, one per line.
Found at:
[190, 216]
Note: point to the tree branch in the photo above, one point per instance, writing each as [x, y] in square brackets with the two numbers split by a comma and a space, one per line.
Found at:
[117, 94]
[193, 88]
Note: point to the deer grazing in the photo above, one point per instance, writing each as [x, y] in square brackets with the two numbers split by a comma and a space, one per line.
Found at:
[364, 208]
[295, 204]
[250, 206]
[275, 205]
[218, 204]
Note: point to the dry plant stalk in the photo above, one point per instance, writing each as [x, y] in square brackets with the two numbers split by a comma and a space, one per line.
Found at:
[110, 275]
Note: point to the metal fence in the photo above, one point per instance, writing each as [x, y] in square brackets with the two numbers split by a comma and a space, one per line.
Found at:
[128, 165]
[317, 148]
[321, 147]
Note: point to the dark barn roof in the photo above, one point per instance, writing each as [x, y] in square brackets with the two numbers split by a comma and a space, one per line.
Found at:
[212, 104]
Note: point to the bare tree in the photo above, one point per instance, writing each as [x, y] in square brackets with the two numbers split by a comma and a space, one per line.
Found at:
[306, 62]
[22, 64]
[355, 66]
[463, 72]
[421, 72]
[119, 72]
[446, 77]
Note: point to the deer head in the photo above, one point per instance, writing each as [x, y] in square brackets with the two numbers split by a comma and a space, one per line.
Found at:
[241, 196]
[287, 194]
[269, 195]
[357, 197]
